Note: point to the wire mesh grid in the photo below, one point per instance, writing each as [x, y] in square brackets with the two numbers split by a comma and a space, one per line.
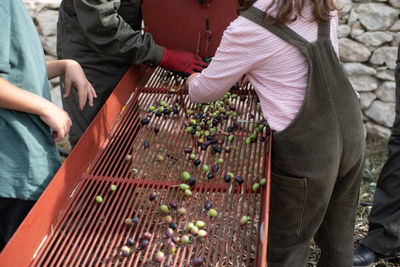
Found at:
[116, 216]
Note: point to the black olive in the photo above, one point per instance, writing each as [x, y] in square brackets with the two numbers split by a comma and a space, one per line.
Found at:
[262, 139]
[235, 125]
[166, 111]
[194, 126]
[192, 181]
[193, 131]
[243, 98]
[135, 220]
[230, 129]
[145, 121]
[146, 144]
[214, 122]
[152, 196]
[215, 168]
[217, 149]
[175, 110]
[196, 162]
[239, 180]
[227, 178]
[203, 146]
[173, 226]
[209, 137]
[158, 113]
[207, 205]
[130, 241]
[156, 130]
[188, 150]
[210, 175]
[173, 204]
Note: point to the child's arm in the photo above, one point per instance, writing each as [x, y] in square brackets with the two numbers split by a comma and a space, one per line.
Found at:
[73, 76]
[15, 98]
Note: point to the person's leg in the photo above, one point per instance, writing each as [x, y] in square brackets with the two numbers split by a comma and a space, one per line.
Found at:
[335, 235]
[12, 213]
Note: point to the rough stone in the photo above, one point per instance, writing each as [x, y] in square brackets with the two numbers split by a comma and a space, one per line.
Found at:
[363, 83]
[387, 92]
[344, 7]
[47, 21]
[374, 38]
[396, 39]
[385, 75]
[377, 16]
[385, 55]
[343, 31]
[353, 17]
[377, 131]
[358, 69]
[395, 3]
[395, 27]
[49, 44]
[366, 99]
[382, 113]
[353, 51]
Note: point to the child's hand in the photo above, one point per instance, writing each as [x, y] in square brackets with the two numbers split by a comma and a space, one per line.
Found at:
[57, 119]
[74, 76]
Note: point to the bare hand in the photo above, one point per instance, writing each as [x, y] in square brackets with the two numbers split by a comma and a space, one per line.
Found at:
[74, 76]
[57, 119]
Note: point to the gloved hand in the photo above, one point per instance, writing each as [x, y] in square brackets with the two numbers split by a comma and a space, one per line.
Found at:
[182, 62]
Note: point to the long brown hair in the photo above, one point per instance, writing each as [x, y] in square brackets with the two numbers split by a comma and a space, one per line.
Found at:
[289, 10]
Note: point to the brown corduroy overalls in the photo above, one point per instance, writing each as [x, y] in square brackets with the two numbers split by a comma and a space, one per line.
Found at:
[317, 161]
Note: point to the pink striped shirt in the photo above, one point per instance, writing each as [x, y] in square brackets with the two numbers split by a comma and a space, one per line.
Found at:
[277, 70]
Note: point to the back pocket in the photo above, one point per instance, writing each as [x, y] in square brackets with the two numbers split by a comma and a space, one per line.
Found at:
[287, 204]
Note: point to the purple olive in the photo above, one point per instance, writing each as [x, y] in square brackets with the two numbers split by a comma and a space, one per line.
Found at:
[188, 150]
[198, 261]
[196, 162]
[169, 232]
[173, 226]
[130, 241]
[203, 146]
[215, 168]
[192, 181]
[146, 144]
[152, 196]
[216, 149]
[239, 180]
[210, 175]
[227, 178]
[158, 113]
[173, 204]
[143, 243]
[147, 235]
[156, 130]
[135, 220]
[145, 121]
[207, 205]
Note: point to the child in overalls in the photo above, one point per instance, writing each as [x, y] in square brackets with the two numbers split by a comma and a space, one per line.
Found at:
[318, 144]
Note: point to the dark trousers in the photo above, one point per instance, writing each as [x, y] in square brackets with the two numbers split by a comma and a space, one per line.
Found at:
[12, 213]
[384, 229]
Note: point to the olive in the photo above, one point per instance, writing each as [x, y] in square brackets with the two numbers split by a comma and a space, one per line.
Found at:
[156, 130]
[176, 239]
[173, 226]
[113, 187]
[173, 204]
[220, 161]
[227, 178]
[192, 181]
[192, 156]
[185, 176]
[210, 175]
[194, 230]
[130, 241]
[171, 247]
[135, 220]
[189, 227]
[160, 157]
[207, 205]
[230, 137]
[188, 150]
[215, 168]
[262, 139]
[205, 168]
[169, 232]
[152, 196]
[202, 233]
[203, 146]
[164, 209]
[230, 129]
[158, 113]
[239, 180]
[99, 199]
[216, 149]
[213, 213]
[152, 108]
[188, 193]
[244, 220]
[147, 235]
[248, 140]
[256, 186]
[200, 224]
[159, 257]
[125, 249]
[166, 111]
[196, 162]
[168, 219]
[193, 131]
[198, 261]
[145, 121]
[263, 181]
[243, 98]
[128, 221]
[184, 186]
[175, 110]
[185, 239]
[146, 144]
[143, 243]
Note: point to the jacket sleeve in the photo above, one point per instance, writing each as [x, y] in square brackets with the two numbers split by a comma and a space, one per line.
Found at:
[110, 34]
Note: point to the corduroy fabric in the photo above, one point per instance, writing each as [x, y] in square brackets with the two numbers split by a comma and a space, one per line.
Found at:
[317, 160]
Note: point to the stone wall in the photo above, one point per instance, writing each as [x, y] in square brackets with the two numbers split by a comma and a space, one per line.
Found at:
[368, 39]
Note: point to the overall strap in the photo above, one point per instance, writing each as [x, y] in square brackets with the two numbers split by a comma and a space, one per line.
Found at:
[324, 31]
[285, 33]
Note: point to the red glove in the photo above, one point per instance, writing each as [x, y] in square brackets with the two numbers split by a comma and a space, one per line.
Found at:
[182, 62]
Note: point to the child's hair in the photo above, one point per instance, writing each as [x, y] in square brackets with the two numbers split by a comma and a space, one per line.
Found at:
[288, 10]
